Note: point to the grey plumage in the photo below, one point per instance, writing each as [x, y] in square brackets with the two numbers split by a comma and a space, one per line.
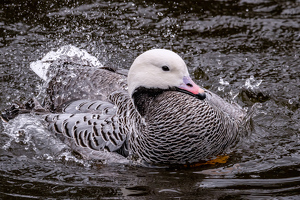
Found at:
[90, 122]
[180, 129]
[90, 108]
[177, 129]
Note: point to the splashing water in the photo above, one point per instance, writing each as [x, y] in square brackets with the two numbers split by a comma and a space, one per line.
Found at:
[251, 83]
[229, 40]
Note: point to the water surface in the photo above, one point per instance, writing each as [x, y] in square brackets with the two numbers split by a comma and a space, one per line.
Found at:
[246, 51]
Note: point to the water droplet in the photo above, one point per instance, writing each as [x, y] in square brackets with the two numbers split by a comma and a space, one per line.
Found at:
[221, 88]
[233, 95]
[252, 83]
[258, 83]
[160, 14]
[222, 82]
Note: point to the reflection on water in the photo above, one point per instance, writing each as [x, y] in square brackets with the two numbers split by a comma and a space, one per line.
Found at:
[246, 51]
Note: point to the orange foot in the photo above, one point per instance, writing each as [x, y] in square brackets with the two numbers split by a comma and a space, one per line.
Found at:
[218, 159]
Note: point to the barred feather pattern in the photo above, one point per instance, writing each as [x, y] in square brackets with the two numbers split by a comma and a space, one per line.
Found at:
[91, 124]
[179, 128]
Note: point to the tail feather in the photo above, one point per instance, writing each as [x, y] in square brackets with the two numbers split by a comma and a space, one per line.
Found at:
[16, 109]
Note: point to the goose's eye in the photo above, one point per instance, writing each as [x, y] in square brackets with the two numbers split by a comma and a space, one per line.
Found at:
[165, 68]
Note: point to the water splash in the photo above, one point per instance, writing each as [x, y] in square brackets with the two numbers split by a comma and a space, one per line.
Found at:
[41, 67]
[251, 83]
[223, 84]
[27, 134]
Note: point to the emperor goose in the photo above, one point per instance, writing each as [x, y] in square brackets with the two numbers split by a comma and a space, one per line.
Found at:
[157, 114]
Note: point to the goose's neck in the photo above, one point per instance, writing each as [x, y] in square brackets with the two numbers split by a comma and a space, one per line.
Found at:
[143, 97]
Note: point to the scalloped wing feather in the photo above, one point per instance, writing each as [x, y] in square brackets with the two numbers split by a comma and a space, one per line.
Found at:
[89, 126]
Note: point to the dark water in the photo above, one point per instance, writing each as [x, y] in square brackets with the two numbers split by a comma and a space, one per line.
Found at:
[246, 51]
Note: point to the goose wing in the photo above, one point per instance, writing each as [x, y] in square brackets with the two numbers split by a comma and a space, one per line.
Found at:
[75, 82]
[89, 124]
[232, 109]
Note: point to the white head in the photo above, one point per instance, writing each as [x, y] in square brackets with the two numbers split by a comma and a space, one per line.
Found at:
[160, 68]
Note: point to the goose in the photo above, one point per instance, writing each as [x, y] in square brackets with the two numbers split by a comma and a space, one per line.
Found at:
[157, 114]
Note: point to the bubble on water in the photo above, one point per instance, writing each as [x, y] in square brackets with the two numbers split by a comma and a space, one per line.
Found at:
[291, 101]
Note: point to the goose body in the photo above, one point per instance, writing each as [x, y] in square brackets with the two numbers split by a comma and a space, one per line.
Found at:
[161, 116]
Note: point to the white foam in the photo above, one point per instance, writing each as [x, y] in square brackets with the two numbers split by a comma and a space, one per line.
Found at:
[40, 67]
[252, 83]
